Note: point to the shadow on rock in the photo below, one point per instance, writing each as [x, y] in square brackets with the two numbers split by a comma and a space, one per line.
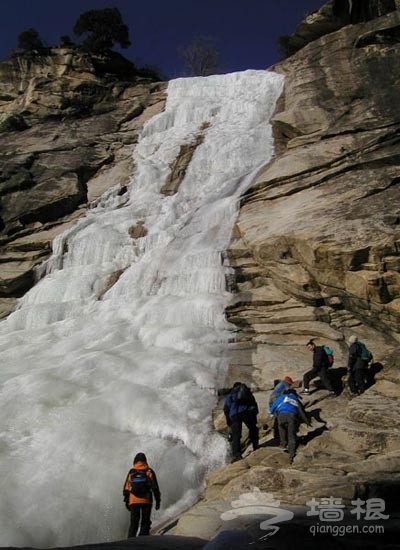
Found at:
[371, 372]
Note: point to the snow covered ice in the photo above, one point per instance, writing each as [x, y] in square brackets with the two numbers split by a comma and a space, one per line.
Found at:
[89, 378]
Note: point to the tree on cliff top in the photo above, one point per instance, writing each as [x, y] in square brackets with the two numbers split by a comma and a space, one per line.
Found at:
[29, 41]
[104, 28]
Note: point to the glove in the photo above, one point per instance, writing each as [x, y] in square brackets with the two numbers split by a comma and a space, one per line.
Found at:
[157, 505]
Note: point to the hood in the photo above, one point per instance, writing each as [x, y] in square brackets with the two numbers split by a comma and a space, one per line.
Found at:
[140, 465]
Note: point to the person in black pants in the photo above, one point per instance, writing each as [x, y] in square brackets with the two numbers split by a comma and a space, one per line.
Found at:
[139, 488]
[241, 407]
[319, 368]
[289, 411]
[357, 367]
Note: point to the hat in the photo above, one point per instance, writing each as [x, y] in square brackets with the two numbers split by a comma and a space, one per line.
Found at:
[288, 380]
[353, 339]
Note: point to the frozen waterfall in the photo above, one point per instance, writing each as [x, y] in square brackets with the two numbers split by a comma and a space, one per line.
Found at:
[89, 378]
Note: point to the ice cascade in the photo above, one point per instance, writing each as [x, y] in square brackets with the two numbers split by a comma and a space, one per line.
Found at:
[91, 376]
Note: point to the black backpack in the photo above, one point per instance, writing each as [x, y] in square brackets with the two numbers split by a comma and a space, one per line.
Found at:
[243, 395]
[140, 483]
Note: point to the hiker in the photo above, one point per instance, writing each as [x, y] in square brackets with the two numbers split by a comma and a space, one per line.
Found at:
[139, 488]
[279, 388]
[358, 360]
[289, 410]
[320, 366]
[241, 407]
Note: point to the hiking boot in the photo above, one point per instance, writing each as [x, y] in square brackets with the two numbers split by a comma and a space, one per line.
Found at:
[305, 391]
[236, 458]
[331, 394]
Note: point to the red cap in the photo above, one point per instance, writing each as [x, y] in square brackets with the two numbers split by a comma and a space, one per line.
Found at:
[288, 380]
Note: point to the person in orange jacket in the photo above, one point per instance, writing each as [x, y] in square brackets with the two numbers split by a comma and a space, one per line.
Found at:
[139, 488]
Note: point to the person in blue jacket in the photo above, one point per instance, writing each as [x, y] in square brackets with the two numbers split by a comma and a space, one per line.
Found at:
[241, 407]
[283, 385]
[289, 410]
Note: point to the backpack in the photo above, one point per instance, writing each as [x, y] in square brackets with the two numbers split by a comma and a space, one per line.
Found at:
[140, 483]
[364, 352]
[329, 355]
[243, 395]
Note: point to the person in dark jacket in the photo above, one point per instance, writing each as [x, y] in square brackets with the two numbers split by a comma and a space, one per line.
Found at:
[289, 410]
[237, 412]
[357, 367]
[319, 368]
[139, 500]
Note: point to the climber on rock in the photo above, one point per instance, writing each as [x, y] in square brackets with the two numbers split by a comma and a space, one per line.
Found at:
[359, 357]
[319, 368]
[283, 385]
[289, 411]
[241, 407]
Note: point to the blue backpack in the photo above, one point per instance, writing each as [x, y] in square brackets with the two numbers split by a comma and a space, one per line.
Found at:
[140, 483]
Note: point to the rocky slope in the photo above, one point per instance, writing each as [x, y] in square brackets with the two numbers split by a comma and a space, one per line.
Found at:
[316, 254]
[315, 251]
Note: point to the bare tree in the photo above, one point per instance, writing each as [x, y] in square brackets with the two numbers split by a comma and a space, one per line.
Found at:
[201, 57]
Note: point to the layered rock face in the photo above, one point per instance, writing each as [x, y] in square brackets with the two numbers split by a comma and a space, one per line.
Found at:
[317, 247]
[315, 254]
[68, 126]
[324, 217]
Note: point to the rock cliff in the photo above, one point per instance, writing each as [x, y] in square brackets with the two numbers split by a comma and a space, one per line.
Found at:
[315, 252]
[68, 126]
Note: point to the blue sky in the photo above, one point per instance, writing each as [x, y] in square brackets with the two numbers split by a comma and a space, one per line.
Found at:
[245, 32]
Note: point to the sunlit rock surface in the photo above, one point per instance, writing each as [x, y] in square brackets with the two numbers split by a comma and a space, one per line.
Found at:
[316, 254]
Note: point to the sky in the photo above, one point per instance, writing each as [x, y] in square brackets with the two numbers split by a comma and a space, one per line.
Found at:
[244, 32]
